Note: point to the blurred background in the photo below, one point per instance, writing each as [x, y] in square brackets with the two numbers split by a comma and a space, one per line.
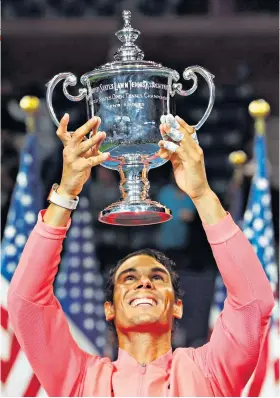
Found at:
[235, 40]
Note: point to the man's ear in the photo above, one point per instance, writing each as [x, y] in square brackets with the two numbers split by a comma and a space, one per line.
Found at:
[109, 311]
[178, 309]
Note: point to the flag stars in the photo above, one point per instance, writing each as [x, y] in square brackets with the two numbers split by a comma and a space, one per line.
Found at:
[248, 216]
[10, 232]
[75, 292]
[75, 247]
[88, 262]
[269, 251]
[75, 232]
[74, 277]
[268, 232]
[10, 250]
[28, 159]
[11, 267]
[89, 277]
[88, 308]
[84, 202]
[87, 233]
[265, 199]
[258, 224]
[20, 240]
[75, 262]
[100, 326]
[61, 292]
[88, 293]
[75, 308]
[30, 217]
[61, 277]
[26, 200]
[256, 208]
[22, 179]
[249, 233]
[88, 247]
[268, 215]
[263, 241]
[82, 279]
[100, 341]
[262, 183]
[89, 323]
[86, 217]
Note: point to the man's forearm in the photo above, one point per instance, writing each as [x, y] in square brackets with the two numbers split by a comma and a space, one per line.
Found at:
[209, 208]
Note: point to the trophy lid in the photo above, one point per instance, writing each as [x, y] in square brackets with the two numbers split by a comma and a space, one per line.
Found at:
[127, 35]
[129, 57]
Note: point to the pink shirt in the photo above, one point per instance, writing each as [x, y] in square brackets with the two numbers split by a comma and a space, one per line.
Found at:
[219, 368]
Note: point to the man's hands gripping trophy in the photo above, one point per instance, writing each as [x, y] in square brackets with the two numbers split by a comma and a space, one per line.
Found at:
[180, 145]
[79, 154]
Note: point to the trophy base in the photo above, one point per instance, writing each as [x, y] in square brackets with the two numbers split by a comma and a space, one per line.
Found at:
[146, 212]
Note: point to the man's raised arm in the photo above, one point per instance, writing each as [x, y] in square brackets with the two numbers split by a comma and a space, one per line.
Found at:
[36, 315]
[230, 357]
[233, 351]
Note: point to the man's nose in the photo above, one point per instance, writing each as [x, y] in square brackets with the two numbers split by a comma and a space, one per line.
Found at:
[145, 283]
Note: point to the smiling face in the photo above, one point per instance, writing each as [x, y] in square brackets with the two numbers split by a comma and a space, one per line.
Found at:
[144, 297]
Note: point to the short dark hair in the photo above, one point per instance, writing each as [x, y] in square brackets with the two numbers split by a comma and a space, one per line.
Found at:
[162, 259]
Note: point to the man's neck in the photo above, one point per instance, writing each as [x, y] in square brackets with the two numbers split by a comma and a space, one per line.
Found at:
[145, 347]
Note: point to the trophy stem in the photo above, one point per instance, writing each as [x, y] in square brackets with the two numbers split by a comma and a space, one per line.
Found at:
[134, 184]
[135, 207]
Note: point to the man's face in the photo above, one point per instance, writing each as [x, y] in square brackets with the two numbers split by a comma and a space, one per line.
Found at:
[143, 297]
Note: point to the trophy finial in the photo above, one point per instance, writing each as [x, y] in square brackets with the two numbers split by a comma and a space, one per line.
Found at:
[127, 35]
[127, 18]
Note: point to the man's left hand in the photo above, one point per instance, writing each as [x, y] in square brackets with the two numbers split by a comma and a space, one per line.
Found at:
[185, 155]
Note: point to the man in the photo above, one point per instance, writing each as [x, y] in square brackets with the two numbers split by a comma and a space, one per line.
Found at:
[145, 297]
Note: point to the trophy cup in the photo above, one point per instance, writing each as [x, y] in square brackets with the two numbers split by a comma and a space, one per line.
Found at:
[130, 95]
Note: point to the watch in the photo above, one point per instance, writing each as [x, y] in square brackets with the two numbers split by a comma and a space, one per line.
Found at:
[59, 200]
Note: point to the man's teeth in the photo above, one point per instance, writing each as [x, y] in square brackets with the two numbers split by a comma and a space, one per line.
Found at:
[139, 301]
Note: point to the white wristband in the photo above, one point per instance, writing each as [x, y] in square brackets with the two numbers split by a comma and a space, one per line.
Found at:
[59, 200]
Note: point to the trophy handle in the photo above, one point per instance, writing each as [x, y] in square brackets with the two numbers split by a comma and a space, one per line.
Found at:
[188, 74]
[70, 80]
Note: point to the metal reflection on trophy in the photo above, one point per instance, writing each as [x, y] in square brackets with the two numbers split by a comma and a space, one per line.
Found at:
[130, 95]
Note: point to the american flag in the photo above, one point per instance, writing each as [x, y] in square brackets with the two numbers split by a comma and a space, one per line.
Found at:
[258, 227]
[17, 377]
[79, 283]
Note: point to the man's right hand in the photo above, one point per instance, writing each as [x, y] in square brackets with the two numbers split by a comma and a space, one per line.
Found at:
[80, 154]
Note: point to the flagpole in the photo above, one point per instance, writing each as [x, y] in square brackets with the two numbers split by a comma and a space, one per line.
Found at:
[237, 160]
[30, 105]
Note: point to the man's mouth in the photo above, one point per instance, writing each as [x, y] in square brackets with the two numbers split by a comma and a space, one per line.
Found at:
[143, 302]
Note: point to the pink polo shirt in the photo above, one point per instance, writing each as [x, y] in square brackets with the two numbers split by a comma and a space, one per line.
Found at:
[219, 368]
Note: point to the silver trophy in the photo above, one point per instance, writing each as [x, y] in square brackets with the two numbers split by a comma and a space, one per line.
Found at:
[130, 96]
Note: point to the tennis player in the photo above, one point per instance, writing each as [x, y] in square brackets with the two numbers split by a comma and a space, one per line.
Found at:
[143, 292]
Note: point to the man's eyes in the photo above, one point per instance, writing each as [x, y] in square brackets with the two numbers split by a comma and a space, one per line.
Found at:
[129, 278]
[132, 277]
[157, 277]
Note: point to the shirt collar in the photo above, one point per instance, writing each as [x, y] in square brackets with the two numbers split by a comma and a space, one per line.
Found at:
[126, 360]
